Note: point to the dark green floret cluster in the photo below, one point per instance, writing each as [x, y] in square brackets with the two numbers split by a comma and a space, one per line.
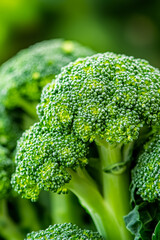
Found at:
[108, 96]
[44, 165]
[66, 231]
[6, 169]
[146, 175]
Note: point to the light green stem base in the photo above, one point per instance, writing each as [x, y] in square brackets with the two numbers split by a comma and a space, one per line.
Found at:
[28, 215]
[65, 209]
[116, 184]
[101, 212]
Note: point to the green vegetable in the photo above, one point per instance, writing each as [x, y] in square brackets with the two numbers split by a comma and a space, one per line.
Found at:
[21, 81]
[142, 219]
[64, 231]
[156, 235]
[91, 119]
[23, 76]
[146, 175]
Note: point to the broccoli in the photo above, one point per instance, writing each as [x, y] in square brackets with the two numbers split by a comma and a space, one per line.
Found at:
[91, 118]
[21, 81]
[64, 231]
[24, 75]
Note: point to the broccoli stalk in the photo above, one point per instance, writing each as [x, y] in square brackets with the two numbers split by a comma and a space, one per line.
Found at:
[114, 202]
[66, 208]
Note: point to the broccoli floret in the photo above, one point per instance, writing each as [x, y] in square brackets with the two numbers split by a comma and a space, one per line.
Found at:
[6, 169]
[146, 174]
[44, 161]
[104, 101]
[64, 231]
[109, 96]
[24, 75]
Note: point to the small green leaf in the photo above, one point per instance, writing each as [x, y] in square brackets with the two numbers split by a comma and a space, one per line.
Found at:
[156, 234]
[141, 221]
[133, 223]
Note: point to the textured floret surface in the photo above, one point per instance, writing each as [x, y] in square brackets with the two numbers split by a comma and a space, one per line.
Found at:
[65, 231]
[106, 95]
[42, 161]
[146, 175]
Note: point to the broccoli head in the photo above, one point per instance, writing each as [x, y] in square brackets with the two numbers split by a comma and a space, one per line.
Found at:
[66, 231]
[106, 96]
[97, 104]
[45, 167]
[24, 75]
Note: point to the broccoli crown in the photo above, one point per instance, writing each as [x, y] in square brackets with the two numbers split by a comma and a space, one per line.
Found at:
[43, 158]
[146, 177]
[66, 231]
[24, 75]
[106, 96]
[6, 169]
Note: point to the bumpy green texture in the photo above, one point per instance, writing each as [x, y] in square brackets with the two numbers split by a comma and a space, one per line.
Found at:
[43, 165]
[6, 169]
[65, 231]
[101, 104]
[23, 76]
[146, 175]
[110, 96]
[106, 96]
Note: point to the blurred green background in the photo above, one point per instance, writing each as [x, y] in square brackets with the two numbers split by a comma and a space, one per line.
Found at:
[131, 27]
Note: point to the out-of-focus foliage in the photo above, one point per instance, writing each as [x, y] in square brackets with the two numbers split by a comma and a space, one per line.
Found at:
[130, 27]
[6, 169]
[8, 129]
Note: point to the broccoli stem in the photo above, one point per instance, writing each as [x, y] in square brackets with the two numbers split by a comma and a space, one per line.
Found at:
[8, 229]
[83, 186]
[64, 208]
[28, 212]
[116, 183]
